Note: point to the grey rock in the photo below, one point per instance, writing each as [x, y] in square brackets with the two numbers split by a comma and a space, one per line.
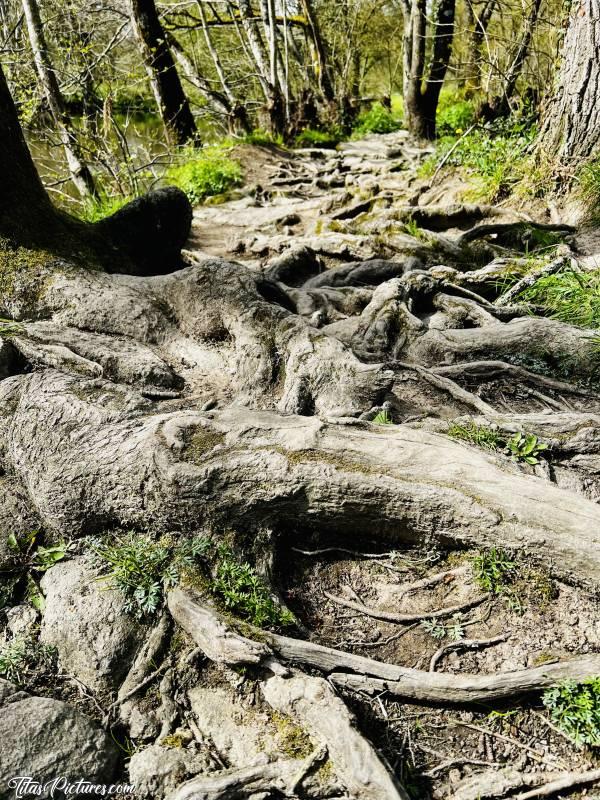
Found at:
[21, 619]
[45, 738]
[156, 771]
[85, 620]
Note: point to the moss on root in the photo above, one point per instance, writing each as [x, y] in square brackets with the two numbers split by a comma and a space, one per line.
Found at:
[24, 273]
[199, 442]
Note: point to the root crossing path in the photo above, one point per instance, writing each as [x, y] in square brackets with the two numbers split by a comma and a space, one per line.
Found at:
[345, 388]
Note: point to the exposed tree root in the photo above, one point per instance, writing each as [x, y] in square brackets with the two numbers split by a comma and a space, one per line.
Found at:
[389, 616]
[365, 674]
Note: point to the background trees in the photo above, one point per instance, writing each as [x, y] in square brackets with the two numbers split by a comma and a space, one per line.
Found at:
[119, 85]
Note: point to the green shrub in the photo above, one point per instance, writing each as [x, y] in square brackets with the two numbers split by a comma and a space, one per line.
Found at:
[378, 119]
[575, 708]
[571, 297]
[454, 114]
[244, 593]
[383, 418]
[310, 137]
[208, 172]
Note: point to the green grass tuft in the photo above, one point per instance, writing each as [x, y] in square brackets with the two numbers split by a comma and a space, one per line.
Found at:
[454, 114]
[208, 172]
[480, 435]
[263, 138]
[589, 188]
[95, 210]
[571, 297]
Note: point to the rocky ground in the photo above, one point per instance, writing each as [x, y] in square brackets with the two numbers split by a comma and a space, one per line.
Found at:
[291, 392]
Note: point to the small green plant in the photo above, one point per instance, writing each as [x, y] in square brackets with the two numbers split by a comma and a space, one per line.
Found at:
[494, 570]
[383, 418]
[480, 435]
[575, 709]
[21, 656]
[29, 563]
[143, 569]
[310, 137]
[378, 119]
[526, 447]
[244, 593]
[207, 172]
[453, 629]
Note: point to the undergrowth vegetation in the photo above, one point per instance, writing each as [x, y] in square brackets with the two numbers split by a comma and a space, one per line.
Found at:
[205, 173]
[22, 656]
[144, 570]
[378, 119]
[571, 297]
[493, 156]
[520, 446]
[575, 709]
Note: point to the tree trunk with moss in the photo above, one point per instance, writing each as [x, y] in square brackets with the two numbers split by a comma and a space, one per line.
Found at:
[570, 131]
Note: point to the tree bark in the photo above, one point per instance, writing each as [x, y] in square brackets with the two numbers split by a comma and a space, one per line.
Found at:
[422, 86]
[25, 209]
[80, 172]
[571, 125]
[170, 98]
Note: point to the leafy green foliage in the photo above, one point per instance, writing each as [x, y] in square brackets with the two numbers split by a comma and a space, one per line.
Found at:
[454, 114]
[569, 296]
[383, 418]
[244, 593]
[378, 119]
[21, 656]
[310, 137]
[521, 446]
[480, 435]
[143, 569]
[575, 708]
[28, 564]
[207, 172]
[494, 570]
[526, 447]
[104, 206]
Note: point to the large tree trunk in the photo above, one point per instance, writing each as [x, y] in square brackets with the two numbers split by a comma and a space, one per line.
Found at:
[170, 98]
[571, 127]
[80, 172]
[25, 210]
